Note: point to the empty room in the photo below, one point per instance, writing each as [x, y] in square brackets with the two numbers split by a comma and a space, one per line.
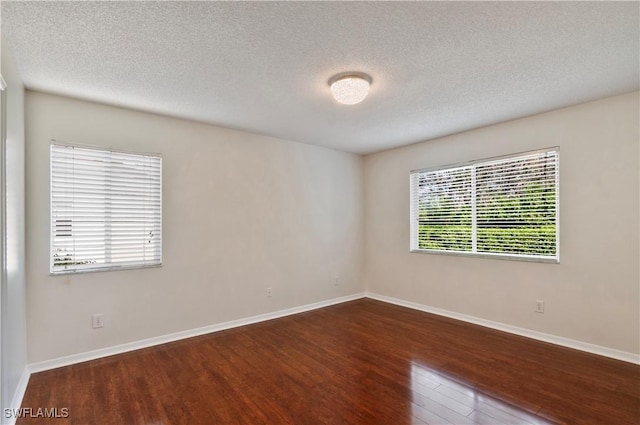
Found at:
[319, 213]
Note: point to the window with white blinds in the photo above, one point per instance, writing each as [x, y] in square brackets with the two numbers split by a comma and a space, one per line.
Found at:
[106, 209]
[503, 207]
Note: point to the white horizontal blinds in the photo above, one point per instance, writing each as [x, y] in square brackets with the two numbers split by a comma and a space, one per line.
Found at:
[106, 209]
[507, 206]
[516, 205]
[443, 209]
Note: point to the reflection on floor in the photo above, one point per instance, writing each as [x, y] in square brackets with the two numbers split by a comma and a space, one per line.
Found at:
[358, 363]
[437, 399]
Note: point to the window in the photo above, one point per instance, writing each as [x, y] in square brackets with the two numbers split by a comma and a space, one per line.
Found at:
[106, 209]
[503, 207]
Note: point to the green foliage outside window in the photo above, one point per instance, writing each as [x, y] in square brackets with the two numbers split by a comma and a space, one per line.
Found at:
[519, 220]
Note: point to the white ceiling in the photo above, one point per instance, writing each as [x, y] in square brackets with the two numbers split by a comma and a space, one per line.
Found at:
[437, 67]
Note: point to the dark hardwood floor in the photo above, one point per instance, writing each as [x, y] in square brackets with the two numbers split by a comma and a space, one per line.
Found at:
[362, 362]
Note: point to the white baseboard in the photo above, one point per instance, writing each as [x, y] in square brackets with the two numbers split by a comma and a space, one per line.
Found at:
[149, 342]
[553, 339]
[18, 395]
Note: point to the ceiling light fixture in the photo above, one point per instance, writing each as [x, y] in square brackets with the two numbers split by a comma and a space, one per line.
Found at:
[350, 88]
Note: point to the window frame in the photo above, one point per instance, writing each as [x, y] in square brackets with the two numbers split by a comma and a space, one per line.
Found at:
[413, 215]
[52, 228]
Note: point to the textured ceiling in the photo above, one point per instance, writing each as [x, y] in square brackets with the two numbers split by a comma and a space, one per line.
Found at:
[437, 67]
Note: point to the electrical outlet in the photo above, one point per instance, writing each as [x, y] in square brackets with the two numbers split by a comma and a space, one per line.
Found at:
[539, 306]
[269, 292]
[336, 281]
[97, 321]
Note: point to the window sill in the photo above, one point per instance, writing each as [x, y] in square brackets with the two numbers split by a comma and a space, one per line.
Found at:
[102, 269]
[510, 257]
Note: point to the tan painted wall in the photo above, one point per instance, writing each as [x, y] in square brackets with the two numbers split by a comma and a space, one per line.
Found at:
[593, 294]
[14, 327]
[241, 212]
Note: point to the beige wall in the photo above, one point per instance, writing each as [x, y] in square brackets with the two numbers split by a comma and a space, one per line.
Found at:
[593, 294]
[14, 328]
[241, 212]
[244, 212]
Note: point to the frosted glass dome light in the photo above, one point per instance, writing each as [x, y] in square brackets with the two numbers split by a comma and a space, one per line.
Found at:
[350, 89]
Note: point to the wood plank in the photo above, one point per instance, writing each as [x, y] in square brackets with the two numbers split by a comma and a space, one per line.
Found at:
[358, 363]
